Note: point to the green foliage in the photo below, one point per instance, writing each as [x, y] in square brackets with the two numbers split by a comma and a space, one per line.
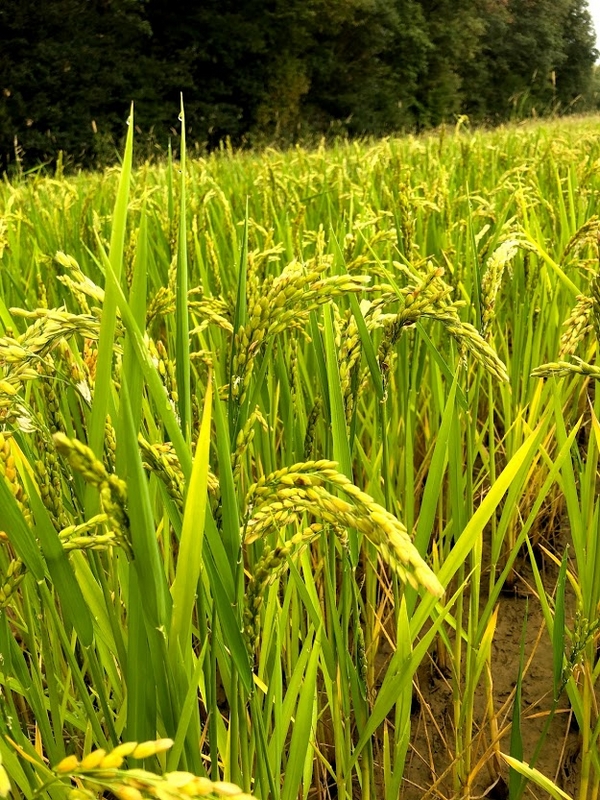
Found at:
[68, 71]
[536, 56]
[273, 71]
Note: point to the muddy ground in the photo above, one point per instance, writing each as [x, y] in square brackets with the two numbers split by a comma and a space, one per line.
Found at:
[429, 763]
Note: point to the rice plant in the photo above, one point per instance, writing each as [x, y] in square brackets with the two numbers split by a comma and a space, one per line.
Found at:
[286, 440]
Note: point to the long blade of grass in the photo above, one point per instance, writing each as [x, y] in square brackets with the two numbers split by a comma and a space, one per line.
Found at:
[147, 560]
[182, 336]
[109, 313]
[229, 502]
[559, 633]
[151, 376]
[189, 562]
[299, 745]
[63, 578]
[137, 302]
[239, 320]
[19, 534]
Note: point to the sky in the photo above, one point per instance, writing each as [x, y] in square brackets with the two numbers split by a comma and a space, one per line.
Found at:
[594, 6]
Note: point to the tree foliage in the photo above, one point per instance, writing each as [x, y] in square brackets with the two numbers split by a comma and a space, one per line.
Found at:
[276, 70]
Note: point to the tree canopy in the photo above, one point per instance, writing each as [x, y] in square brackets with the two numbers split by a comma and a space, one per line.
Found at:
[278, 70]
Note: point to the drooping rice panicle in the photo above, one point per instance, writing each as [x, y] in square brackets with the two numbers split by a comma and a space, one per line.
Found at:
[112, 490]
[100, 770]
[492, 278]
[284, 496]
[577, 326]
[562, 369]
[287, 304]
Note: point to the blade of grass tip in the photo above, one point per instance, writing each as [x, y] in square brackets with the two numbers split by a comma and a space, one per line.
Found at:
[182, 336]
[63, 578]
[239, 319]
[537, 777]
[103, 383]
[189, 561]
[515, 779]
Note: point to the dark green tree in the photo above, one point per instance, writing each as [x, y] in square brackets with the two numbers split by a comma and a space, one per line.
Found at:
[535, 56]
[68, 71]
[575, 75]
[454, 30]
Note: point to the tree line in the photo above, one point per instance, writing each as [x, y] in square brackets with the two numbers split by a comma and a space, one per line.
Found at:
[256, 71]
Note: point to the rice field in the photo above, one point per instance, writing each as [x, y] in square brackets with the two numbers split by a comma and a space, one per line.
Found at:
[299, 456]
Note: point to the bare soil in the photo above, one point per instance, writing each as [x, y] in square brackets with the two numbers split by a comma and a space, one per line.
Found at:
[429, 771]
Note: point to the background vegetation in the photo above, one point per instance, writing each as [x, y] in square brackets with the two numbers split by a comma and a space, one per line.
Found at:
[278, 70]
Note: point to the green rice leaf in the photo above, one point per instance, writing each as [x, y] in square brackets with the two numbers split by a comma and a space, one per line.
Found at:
[189, 561]
[300, 742]
[151, 376]
[63, 578]
[19, 534]
[229, 501]
[232, 634]
[537, 777]
[559, 632]
[182, 338]
[100, 404]
[147, 560]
